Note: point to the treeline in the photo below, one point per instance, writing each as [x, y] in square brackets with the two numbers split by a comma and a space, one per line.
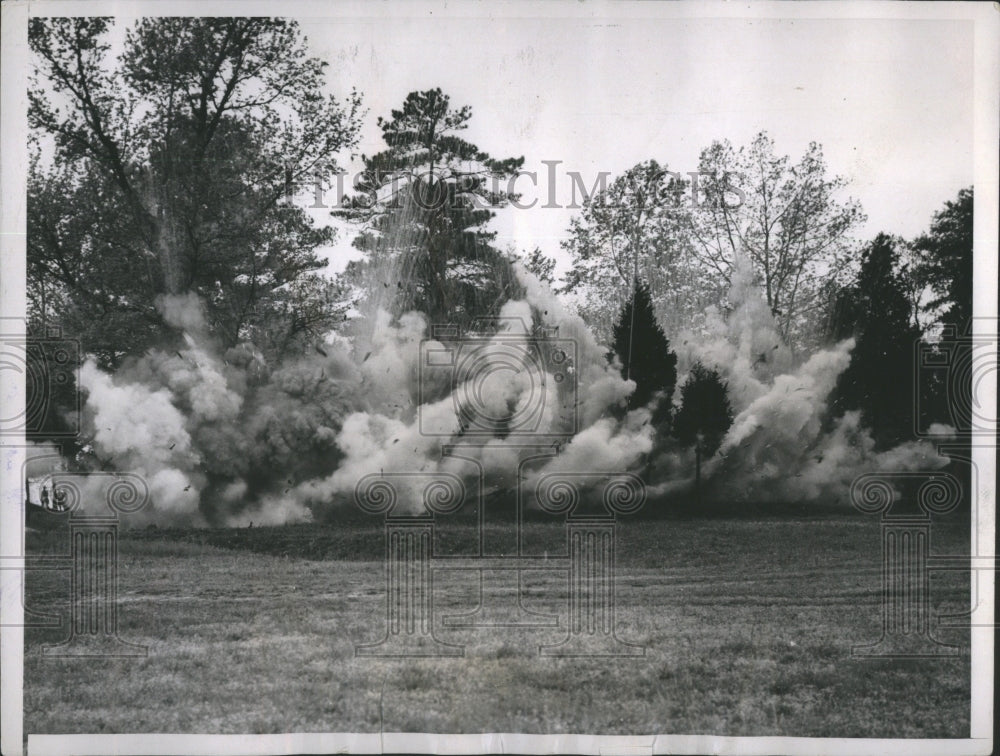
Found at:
[165, 169]
[908, 308]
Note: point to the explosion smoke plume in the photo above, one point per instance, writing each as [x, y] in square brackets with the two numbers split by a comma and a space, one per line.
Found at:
[223, 438]
[778, 447]
[207, 430]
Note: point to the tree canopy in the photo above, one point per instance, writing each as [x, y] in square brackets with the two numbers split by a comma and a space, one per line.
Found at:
[163, 170]
[786, 217]
[643, 349]
[880, 377]
[637, 227]
[945, 261]
[423, 205]
[683, 235]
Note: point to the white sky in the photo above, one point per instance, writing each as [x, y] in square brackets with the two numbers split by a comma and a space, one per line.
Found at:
[891, 101]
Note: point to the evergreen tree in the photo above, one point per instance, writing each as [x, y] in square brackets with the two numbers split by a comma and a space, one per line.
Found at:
[704, 415]
[944, 265]
[425, 202]
[945, 254]
[643, 349]
[879, 380]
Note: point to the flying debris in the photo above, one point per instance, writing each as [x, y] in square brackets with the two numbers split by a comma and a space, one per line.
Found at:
[214, 436]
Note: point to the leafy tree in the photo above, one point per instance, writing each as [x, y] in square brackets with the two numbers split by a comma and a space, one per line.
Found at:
[167, 173]
[878, 313]
[683, 237]
[643, 349]
[785, 217]
[637, 227]
[424, 204]
[704, 415]
[943, 268]
[945, 261]
[541, 265]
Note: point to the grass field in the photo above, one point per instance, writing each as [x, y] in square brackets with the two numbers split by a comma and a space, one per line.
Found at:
[747, 624]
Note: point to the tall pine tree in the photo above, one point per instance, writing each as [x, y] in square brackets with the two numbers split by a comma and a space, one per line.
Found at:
[424, 205]
[945, 267]
[946, 261]
[879, 379]
[643, 349]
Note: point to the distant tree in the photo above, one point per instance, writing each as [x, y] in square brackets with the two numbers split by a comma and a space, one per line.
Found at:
[683, 236]
[944, 268]
[423, 205]
[643, 349]
[704, 415]
[786, 217]
[945, 261]
[879, 380]
[636, 227]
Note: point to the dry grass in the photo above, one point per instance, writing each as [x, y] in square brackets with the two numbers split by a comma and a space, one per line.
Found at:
[747, 625]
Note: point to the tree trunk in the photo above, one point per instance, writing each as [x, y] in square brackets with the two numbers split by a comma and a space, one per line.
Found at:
[697, 474]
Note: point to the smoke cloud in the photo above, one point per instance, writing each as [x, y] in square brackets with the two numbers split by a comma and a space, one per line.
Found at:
[779, 447]
[223, 438]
